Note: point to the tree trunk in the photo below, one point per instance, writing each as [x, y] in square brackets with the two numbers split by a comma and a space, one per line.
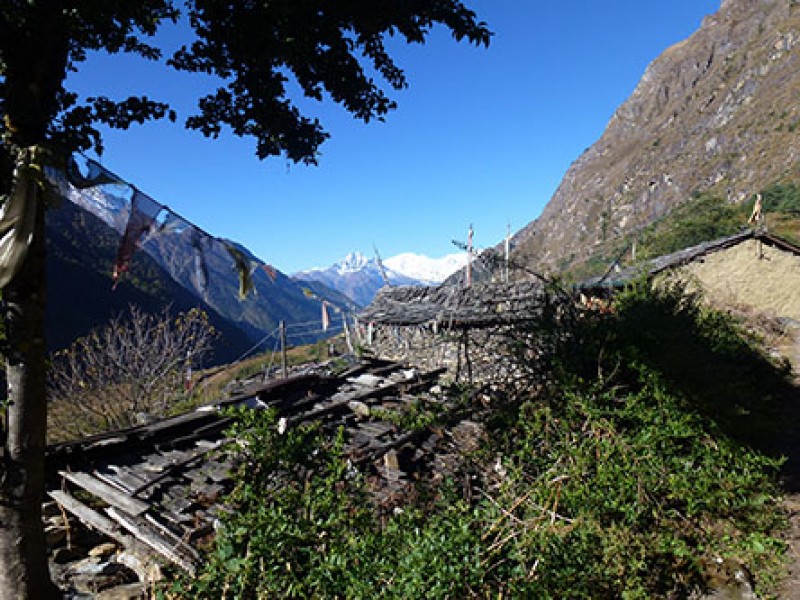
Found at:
[24, 569]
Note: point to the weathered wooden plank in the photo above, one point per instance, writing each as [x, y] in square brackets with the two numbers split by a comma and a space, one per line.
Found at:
[95, 520]
[174, 531]
[165, 545]
[87, 515]
[375, 429]
[127, 476]
[113, 481]
[106, 492]
[172, 467]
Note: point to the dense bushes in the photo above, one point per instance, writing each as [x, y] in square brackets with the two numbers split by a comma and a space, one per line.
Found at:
[707, 217]
[633, 469]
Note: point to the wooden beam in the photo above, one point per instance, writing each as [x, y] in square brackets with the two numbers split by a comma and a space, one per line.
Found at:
[145, 532]
[95, 520]
[106, 492]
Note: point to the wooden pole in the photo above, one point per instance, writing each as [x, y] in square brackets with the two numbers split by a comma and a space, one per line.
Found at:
[469, 256]
[284, 368]
[347, 333]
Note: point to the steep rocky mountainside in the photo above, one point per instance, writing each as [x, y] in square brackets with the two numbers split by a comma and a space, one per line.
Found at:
[81, 252]
[716, 113]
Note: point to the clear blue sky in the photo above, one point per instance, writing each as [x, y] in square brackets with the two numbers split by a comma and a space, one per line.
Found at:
[481, 136]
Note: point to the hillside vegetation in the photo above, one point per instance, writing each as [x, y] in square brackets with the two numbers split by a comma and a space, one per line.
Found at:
[627, 461]
[702, 218]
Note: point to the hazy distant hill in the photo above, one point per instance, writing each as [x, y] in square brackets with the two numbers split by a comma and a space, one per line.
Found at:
[717, 113]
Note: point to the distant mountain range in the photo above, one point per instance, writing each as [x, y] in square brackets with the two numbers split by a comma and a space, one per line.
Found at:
[360, 278]
[83, 237]
[81, 249]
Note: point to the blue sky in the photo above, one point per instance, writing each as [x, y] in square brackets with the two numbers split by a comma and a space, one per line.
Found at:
[481, 136]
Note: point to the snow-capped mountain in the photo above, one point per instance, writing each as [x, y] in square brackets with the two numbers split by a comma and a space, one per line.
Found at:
[355, 261]
[360, 277]
[424, 268]
[110, 203]
[356, 276]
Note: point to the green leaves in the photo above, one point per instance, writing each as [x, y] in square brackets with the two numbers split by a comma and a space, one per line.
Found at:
[255, 48]
[625, 485]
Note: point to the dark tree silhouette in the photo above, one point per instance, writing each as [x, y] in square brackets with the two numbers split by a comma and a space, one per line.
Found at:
[254, 48]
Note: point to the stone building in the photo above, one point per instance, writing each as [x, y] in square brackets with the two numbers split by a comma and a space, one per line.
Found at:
[451, 326]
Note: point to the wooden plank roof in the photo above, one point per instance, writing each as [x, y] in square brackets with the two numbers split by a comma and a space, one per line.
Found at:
[156, 489]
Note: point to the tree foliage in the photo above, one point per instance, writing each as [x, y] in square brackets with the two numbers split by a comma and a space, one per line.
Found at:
[702, 218]
[254, 49]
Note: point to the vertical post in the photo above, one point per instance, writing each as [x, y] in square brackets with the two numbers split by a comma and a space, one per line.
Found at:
[506, 274]
[467, 361]
[284, 369]
[347, 332]
[469, 256]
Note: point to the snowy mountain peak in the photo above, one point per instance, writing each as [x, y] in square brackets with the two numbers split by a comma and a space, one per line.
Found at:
[360, 278]
[424, 268]
[355, 261]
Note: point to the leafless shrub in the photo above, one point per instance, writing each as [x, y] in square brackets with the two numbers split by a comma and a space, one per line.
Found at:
[125, 373]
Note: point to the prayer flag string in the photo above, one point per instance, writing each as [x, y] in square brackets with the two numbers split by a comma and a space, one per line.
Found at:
[149, 219]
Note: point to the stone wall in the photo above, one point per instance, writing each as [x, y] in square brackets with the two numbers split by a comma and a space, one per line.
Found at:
[475, 353]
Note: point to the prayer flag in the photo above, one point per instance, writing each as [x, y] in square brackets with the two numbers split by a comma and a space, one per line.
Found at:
[96, 174]
[200, 242]
[140, 221]
[244, 266]
[17, 220]
[270, 271]
[325, 319]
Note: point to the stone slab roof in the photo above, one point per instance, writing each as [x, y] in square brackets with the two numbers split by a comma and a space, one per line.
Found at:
[479, 305]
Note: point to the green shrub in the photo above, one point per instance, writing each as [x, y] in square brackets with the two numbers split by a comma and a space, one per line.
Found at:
[650, 438]
[624, 470]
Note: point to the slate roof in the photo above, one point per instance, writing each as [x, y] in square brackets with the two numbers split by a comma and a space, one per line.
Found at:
[479, 305]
